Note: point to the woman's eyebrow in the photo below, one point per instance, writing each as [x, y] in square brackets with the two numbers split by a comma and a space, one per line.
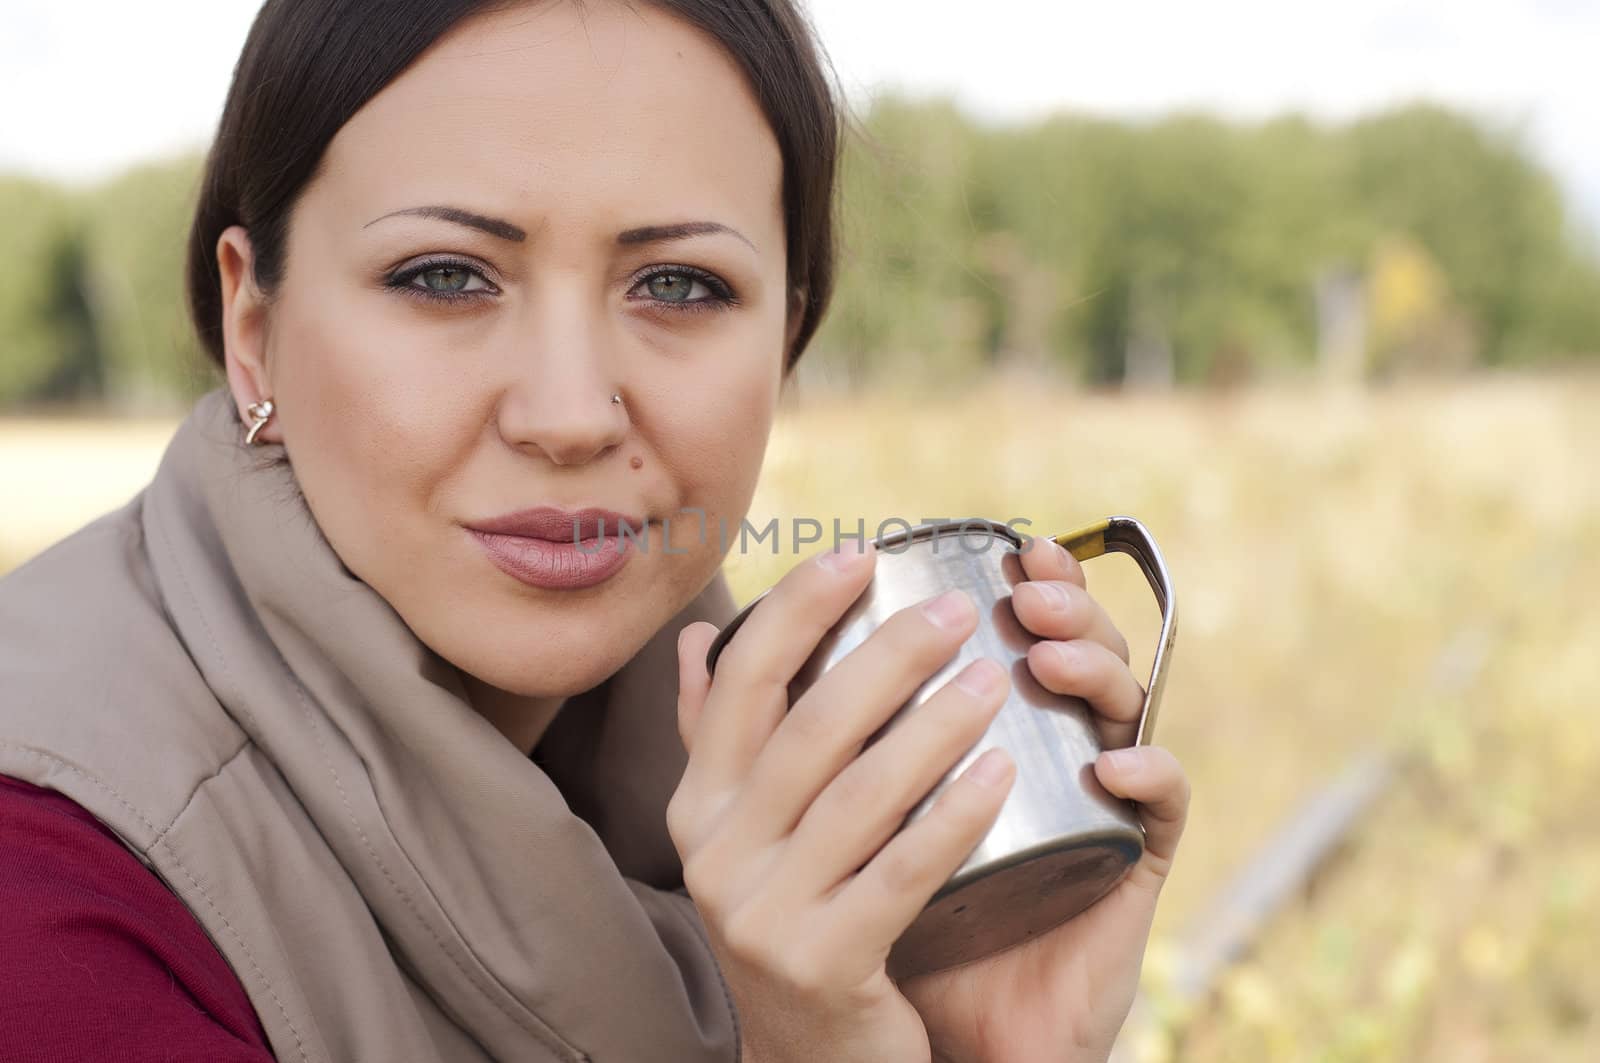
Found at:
[651, 234]
[493, 226]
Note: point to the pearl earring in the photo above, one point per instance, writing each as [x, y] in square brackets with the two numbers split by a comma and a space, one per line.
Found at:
[260, 413]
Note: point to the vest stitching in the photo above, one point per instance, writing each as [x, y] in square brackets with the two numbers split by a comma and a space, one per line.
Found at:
[298, 1044]
[69, 766]
[205, 625]
[142, 818]
[549, 1039]
[226, 764]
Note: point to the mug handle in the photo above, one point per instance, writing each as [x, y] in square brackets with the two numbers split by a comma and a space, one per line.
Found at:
[1127, 536]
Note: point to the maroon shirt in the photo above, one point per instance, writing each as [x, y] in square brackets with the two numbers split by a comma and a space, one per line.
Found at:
[99, 960]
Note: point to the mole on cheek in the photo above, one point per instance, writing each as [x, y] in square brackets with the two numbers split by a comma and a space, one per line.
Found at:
[637, 462]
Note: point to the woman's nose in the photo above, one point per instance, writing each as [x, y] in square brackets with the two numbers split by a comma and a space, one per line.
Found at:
[559, 402]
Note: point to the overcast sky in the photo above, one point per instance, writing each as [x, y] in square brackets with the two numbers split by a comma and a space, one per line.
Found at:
[96, 84]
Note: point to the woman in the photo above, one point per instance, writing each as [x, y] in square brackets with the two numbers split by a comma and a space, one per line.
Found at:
[333, 744]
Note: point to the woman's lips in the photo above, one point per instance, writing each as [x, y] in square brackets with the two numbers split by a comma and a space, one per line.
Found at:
[560, 549]
[556, 564]
[553, 522]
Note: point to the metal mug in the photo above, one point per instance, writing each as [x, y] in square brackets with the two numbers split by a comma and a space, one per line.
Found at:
[1061, 841]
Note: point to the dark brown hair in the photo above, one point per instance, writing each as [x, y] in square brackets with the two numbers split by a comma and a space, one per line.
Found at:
[309, 65]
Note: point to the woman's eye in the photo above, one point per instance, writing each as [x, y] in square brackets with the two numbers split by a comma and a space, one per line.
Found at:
[675, 287]
[688, 289]
[441, 282]
[448, 280]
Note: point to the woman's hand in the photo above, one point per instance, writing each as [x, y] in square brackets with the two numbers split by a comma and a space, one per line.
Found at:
[788, 837]
[1062, 996]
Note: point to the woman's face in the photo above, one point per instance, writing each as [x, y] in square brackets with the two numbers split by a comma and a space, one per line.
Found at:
[429, 374]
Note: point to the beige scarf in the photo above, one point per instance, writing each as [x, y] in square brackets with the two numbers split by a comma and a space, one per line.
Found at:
[389, 876]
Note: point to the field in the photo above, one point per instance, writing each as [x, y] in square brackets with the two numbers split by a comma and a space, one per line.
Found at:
[1414, 568]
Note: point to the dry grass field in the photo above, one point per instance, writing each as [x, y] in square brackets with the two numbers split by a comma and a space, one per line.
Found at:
[1415, 567]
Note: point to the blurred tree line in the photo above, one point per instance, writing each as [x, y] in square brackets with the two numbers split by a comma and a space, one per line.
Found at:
[91, 290]
[1196, 250]
[1189, 250]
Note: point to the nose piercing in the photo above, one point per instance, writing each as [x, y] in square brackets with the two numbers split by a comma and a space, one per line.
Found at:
[616, 400]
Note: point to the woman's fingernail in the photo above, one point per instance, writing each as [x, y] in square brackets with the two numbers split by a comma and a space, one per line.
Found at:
[843, 558]
[990, 769]
[979, 677]
[1052, 595]
[1124, 760]
[950, 609]
[1067, 654]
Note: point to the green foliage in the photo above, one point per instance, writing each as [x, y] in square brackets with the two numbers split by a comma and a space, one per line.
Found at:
[1203, 237]
[1492, 220]
[46, 334]
[908, 297]
[137, 229]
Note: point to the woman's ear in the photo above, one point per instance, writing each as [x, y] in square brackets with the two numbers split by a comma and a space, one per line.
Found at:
[244, 328]
[797, 314]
